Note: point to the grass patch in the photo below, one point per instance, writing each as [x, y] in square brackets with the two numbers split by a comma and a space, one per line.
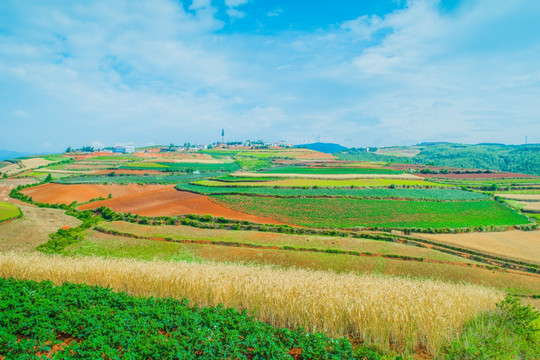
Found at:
[98, 244]
[8, 211]
[509, 332]
[348, 213]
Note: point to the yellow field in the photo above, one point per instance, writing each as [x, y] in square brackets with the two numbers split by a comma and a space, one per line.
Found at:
[379, 310]
[521, 245]
[325, 183]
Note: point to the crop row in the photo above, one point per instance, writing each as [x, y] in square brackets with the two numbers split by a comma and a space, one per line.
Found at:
[79, 321]
[419, 194]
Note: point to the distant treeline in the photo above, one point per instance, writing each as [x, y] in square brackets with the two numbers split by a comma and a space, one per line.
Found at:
[510, 158]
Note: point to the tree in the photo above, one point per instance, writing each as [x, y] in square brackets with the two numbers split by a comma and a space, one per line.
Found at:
[68, 150]
[48, 178]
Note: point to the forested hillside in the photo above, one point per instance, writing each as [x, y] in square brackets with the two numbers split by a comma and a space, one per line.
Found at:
[511, 158]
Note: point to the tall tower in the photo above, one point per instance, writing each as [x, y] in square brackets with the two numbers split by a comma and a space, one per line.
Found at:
[223, 136]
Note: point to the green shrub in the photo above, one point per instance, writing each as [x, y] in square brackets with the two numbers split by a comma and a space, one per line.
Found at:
[510, 332]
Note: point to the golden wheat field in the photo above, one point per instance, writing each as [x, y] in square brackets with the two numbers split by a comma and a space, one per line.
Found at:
[385, 311]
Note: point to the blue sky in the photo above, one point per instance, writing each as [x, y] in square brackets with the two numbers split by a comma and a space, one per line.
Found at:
[359, 73]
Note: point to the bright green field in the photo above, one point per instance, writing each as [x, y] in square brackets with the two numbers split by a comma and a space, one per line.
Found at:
[328, 170]
[348, 212]
[418, 194]
[8, 211]
[326, 183]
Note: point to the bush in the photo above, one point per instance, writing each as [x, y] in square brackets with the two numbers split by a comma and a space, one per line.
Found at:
[509, 332]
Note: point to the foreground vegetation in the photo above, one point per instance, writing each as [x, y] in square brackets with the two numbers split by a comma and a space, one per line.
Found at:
[79, 321]
[384, 311]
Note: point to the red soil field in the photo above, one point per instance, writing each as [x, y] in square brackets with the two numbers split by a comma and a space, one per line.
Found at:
[166, 200]
[66, 194]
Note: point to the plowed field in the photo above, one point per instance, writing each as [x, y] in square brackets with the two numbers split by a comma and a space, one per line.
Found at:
[165, 200]
[66, 194]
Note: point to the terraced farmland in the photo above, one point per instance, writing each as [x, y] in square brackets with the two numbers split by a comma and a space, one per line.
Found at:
[420, 194]
[296, 183]
[348, 213]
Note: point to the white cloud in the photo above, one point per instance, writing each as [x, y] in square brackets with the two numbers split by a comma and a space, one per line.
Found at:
[152, 72]
[235, 3]
[199, 4]
[236, 13]
[275, 12]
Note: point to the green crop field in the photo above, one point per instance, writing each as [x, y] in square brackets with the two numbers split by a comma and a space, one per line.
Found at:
[329, 170]
[290, 241]
[89, 322]
[8, 211]
[294, 183]
[348, 212]
[134, 179]
[420, 194]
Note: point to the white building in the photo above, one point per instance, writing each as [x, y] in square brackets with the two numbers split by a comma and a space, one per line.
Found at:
[130, 149]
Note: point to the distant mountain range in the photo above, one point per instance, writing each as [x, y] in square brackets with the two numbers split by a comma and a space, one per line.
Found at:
[327, 148]
[8, 155]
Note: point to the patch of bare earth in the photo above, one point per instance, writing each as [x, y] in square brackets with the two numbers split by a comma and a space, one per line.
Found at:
[165, 200]
[67, 193]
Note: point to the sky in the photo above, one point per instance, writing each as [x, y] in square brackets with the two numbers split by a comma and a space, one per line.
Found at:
[353, 72]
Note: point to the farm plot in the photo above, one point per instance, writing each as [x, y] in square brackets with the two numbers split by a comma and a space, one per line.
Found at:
[327, 176]
[296, 183]
[299, 242]
[98, 244]
[348, 212]
[161, 200]
[520, 245]
[418, 194]
[129, 178]
[375, 309]
[120, 326]
[66, 194]
[328, 170]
